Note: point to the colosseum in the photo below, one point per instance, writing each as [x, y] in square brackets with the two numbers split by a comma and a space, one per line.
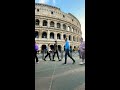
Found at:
[52, 24]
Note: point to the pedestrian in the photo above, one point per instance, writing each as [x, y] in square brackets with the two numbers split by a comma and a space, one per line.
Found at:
[79, 53]
[67, 50]
[56, 51]
[48, 52]
[71, 50]
[82, 51]
[36, 50]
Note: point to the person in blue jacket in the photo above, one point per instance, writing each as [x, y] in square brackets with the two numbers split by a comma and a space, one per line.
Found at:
[67, 50]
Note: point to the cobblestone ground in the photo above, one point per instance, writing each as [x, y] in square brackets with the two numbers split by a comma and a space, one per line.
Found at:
[53, 75]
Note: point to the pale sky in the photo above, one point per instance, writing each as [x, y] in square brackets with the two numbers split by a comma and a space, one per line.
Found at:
[75, 7]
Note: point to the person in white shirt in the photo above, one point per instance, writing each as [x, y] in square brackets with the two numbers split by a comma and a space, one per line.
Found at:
[48, 52]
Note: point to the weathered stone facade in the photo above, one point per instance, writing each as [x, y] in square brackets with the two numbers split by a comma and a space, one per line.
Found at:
[52, 24]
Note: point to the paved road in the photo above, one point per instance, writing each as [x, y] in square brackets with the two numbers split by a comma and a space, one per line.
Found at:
[50, 75]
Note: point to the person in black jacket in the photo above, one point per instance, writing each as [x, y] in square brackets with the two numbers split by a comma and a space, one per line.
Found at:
[56, 51]
[48, 52]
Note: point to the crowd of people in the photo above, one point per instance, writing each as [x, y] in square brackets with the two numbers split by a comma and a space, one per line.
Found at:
[67, 52]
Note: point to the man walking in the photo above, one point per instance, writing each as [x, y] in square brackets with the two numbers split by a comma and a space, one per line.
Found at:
[67, 49]
[56, 51]
[48, 52]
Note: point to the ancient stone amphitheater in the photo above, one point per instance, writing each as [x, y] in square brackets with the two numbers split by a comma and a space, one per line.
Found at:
[52, 24]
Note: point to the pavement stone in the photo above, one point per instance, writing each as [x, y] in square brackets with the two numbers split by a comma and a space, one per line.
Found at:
[53, 75]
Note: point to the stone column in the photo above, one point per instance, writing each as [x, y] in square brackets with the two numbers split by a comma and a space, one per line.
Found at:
[61, 24]
[62, 36]
[70, 28]
[41, 23]
[48, 34]
[55, 24]
[66, 27]
[55, 35]
[48, 23]
[40, 34]
[71, 38]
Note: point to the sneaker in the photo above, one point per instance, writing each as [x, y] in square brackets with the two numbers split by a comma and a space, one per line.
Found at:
[44, 59]
[60, 60]
[81, 63]
[37, 62]
[64, 64]
[84, 62]
[73, 62]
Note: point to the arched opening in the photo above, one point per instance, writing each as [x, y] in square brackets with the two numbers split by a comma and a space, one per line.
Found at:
[70, 37]
[75, 38]
[51, 24]
[43, 47]
[64, 26]
[69, 28]
[58, 36]
[75, 31]
[72, 29]
[71, 47]
[44, 23]
[64, 36]
[58, 25]
[59, 48]
[36, 34]
[44, 35]
[51, 35]
[52, 47]
[37, 22]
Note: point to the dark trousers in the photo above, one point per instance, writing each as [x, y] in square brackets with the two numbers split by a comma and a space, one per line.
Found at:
[79, 54]
[83, 55]
[56, 53]
[67, 53]
[48, 53]
[36, 56]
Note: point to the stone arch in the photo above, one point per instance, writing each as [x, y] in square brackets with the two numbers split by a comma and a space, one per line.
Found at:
[51, 35]
[37, 21]
[58, 36]
[36, 34]
[51, 24]
[44, 35]
[45, 22]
